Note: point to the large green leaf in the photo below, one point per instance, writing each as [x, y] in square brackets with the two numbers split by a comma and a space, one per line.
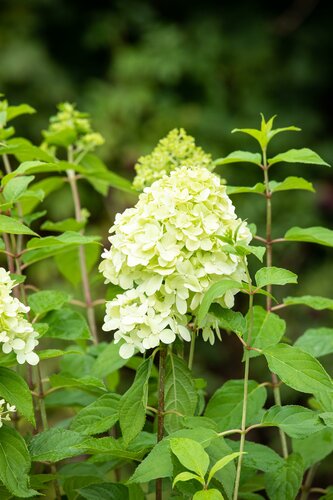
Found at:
[180, 393]
[97, 417]
[240, 157]
[319, 235]
[316, 341]
[314, 448]
[291, 183]
[296, 421]
[14, 389]
[191, 455]
[20, 109]
[284, 482]
[86, 383]
[67, 324]
[303, 155]
[258, 188]
[225, 406]
[211, 494]
[214, 292]
[226, 476]
[16, 187]
[267, 329]
[298, 369]
[108, 361]
[274, 276]
[105, 491]
[47, 300]
[13, 226]
[68, 262]
[258, 456]
[56, 444]
[96, 170]
[229, 319]
[132, 408]
[14, 463]
[315, 302]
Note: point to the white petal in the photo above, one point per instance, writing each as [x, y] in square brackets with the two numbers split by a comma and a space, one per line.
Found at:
[167, 336]
[126, 351]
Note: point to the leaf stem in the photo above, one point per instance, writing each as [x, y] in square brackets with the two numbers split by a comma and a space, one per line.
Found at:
[192, 348]
[160, 414]
[245, 394]
[269, 260]
[308, 482]
[82, 255]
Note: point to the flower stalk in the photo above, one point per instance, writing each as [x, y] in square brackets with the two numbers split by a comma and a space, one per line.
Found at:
[160, 414]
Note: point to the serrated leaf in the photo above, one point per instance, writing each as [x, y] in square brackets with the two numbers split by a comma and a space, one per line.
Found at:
[47, 300]
[274, 276]
[187, 476]
[15, 390]
[86, 383]
[285, 482]
[291, 183]
[21, 109]
[303, 155]
[95, 169]
[315, 302]
[240, 157]
[298, 369]
[314, 448]
[217, 290]
[258, 456]
[267, 329]
[63, 225]
[56, 444]
[105, 491]
[13, 226]
[229, 319]
[258, 188]
[319, 235]
[191, 455]
[15, 463]
[316, 341]
[108, 361]
[295, 421]
[211, 494]
[67, 324]
[132, 407]
[16, 187]
[226, 476]
[225, 406]
[222, 463]
[98, 417]
[180, 393]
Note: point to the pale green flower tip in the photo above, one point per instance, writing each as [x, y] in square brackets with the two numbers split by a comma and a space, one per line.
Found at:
[165, 253]
[175, 150]
[16, 333]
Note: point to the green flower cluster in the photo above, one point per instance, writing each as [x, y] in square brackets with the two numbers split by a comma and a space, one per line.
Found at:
[72, 127]
[166, 252]
[175, 150]
[5, 410]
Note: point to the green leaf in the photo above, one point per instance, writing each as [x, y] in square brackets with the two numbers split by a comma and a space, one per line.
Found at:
[67, 324]
[303, 155]
[68, 262]
[13, 226]
[212, 494]
[108, 361]
[180, 393]
[54, 353]
[47, 300]
[105, 491]
[222, 463]
[226, 476]
[187, 476]
[86, 383]
[158, 462]
[258, 456]
[267, 329]
[314, 448]
[14, 463]
[295, 421]
[63, 225]
[315, 302]
[14, 389]
[217, 290]
[56, 444]
[285, 482]
[258, 188]
[274, 276]
[225, 406]
[319, 235]
[21, 109]
[24, 150]
[327, 418]
[95, 169]
[98, 417]
[132, 408]
[16, 187]
[229, 319]
[191, 455]
[240, 157]
[291, 183]
[316, 341]
[298, 369]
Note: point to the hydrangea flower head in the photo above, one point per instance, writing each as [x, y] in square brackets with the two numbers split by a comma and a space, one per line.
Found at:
[166, 252]
[16, 333]
[175, 150]
[5, 410]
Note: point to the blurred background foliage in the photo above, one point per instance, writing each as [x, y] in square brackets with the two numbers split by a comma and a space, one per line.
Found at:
[141, 68]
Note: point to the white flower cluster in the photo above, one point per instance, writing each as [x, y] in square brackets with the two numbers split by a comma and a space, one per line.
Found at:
[5, 410]
[166, 252]
[16, 333]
